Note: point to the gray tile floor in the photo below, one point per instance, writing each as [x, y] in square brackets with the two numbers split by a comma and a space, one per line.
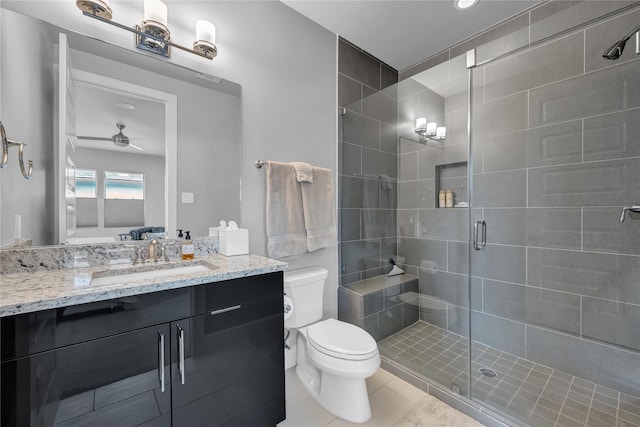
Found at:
[531, 393]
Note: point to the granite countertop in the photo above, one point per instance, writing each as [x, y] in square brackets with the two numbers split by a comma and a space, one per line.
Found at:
[42, 290]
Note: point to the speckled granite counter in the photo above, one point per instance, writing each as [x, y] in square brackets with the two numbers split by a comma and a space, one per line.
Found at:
[41, 290]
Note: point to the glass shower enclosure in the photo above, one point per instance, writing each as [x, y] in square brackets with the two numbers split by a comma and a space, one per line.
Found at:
[527, 299]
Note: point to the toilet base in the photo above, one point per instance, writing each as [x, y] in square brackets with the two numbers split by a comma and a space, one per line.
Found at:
[344, 397]
[350, 402]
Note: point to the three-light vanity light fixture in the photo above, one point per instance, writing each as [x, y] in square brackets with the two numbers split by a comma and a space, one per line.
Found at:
[153, 35]
[430, 131]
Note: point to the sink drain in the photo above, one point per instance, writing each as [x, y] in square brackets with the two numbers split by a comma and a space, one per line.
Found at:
[487, 372]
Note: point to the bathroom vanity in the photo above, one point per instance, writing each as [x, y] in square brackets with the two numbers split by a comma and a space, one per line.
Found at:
[198, 350]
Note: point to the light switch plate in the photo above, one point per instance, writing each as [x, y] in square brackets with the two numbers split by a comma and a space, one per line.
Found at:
[187, 197]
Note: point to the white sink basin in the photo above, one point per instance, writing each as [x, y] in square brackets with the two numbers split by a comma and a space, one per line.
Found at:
[112, 277]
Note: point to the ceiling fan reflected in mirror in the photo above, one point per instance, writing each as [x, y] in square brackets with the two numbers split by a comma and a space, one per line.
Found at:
[119, 139]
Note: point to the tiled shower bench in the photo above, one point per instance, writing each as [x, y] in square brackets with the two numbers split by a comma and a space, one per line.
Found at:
[380, 305]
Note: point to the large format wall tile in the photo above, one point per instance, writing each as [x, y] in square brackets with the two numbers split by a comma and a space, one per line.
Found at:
[498, 262]
[351, 159]
[500, 116]
[545, 64]
[543, 146]
[380, 107]
[450, 287]
[542, 227]
[378, 223]
[356, 64]
[500, 189]
[408, 225]
[497, 332]
[349, 224]
[614, 277]
[349, 93]
[443, 224]
[376, 163]
[556, 16]
[591, 184]
[603, 231]
[612, 136]
[602, 36]
[599, 363]
[552, 309]
[599, 92]
[503, 299]
[360, 130]
[416, 194]
[555, 310]
[420, 252]
[360, 255]
[408, 167]
[500, 39]
[612, 322]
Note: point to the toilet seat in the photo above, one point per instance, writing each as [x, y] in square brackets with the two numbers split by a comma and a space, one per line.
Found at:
[341, 340]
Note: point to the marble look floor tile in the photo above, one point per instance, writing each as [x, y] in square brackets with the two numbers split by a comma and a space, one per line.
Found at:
[431, 412]
[377, 380]
[393, 401]
[387, 407]
[406, 390]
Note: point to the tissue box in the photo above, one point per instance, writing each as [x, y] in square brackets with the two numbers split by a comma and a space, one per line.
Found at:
[234, 242]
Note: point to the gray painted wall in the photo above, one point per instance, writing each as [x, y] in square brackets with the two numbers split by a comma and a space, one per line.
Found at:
[151, 166]
[286, 65]
[26, 105]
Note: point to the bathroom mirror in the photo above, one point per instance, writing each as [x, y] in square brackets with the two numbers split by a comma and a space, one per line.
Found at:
[179, 168]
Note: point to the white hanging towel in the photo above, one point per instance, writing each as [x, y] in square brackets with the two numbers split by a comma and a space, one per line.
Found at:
[318, 203]
[286, 234]
[304, 171]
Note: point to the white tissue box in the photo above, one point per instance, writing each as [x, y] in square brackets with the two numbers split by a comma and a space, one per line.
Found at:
[234, 242]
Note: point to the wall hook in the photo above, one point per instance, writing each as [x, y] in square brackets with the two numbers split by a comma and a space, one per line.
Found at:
[6, 144]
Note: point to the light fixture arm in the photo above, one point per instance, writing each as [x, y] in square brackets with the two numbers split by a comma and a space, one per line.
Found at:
[206, 53]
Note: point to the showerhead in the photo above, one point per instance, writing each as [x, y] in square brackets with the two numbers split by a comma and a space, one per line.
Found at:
[615, 51]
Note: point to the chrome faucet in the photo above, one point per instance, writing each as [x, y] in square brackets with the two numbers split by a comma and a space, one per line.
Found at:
[153, 253]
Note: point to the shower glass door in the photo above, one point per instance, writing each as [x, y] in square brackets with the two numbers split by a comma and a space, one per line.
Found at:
[432, 238]
[556, 290]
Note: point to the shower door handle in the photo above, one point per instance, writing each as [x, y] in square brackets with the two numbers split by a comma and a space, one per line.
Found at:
[479, 244]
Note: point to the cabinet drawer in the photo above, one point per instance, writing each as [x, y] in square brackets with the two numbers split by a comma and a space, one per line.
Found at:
[220, 295]
[32, 333]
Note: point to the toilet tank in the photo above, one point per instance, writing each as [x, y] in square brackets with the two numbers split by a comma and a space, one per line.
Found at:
[305, 288]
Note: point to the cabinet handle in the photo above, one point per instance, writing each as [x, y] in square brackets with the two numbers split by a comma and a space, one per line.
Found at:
[161, 360]
[224, 310]
[181, 353]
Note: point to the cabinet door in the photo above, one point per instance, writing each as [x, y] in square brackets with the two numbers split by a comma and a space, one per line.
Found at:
[113, 381]
[227, 367]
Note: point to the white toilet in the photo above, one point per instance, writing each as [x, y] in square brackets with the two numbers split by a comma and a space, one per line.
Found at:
[333, 358]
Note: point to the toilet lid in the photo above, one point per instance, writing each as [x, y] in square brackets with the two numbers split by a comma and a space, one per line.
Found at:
[341, 340]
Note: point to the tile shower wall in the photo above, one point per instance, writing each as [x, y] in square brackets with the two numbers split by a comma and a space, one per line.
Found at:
[368, 165]
[556, 157]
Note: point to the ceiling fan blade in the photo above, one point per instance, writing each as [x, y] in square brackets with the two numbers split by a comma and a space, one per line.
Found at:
[136, 147]
[94, 138]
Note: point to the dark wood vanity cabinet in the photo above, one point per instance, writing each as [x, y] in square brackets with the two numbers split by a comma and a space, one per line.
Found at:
[209, 355]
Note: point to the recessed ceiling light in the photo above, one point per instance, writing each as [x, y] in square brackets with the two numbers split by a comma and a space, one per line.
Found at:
[125, 106]
[464, 4]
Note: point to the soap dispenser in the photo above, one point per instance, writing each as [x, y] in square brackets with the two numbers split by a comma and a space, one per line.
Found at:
[188, 249]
